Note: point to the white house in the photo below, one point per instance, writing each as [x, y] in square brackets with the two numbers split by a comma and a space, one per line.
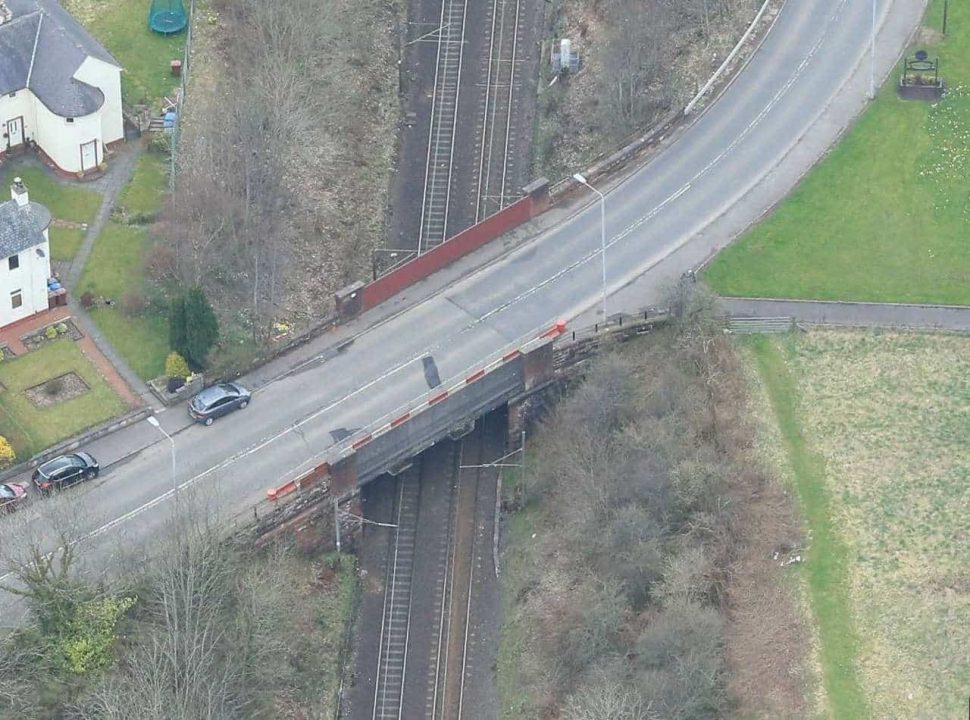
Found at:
[25, 263]
[60, 91]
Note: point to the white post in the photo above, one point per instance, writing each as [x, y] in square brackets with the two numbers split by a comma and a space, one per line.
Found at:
[602, 198]
[336, 522]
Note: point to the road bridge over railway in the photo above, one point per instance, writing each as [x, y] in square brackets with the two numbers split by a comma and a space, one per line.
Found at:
[806, 83]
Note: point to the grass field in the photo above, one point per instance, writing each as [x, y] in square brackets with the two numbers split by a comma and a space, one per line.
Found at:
[31, 429]
[113, 270]
[122, 27]
[884, 217]
[876, 427]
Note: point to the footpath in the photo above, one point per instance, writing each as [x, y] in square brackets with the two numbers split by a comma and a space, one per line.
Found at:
[853, 314]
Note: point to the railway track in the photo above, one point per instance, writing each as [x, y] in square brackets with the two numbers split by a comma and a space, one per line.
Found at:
[396, 622]
[444, 120]
[475, 154]
[496, 158]
[439, 555]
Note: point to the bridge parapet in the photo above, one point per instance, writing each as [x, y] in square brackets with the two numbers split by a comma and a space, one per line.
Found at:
[418, 424]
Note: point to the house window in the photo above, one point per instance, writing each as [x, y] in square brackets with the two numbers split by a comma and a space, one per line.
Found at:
[13, 94]
[16, 299]
[13, 262]
[70, 120]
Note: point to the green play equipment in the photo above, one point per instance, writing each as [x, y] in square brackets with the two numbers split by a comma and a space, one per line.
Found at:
[167, 16]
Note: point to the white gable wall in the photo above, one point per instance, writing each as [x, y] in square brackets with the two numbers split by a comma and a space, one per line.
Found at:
[20, 105]
[62, 140]
[30, 278]
[107, 78]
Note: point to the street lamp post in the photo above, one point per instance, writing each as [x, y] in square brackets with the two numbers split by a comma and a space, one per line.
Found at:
[582, 180]
[153, 421]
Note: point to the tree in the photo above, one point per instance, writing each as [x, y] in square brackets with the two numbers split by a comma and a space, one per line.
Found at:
[201, 326]
[177, 332]
[192, 326]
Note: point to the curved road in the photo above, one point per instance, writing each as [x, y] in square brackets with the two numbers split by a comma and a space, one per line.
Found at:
[811, 61]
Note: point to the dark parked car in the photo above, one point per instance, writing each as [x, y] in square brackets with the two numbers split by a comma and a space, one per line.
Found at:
[65, 470]
[12, 495]
[218, 400]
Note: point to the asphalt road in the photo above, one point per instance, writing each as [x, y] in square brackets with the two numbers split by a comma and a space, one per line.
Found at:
[814, 48]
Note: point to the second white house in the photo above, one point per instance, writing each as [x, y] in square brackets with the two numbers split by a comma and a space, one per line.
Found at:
[60, 90]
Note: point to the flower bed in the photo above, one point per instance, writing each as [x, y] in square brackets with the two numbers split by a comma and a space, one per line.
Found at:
[48, 333]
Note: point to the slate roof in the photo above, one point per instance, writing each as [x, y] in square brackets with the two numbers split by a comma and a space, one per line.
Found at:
[41, 48]
[21, 227]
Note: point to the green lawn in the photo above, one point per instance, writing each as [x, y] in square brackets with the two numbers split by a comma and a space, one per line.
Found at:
[65, 242]
[113, 270]
[65, 201]
[885, 216]
[122, 27]
[826, 560]
[142, 197]
[34, 428]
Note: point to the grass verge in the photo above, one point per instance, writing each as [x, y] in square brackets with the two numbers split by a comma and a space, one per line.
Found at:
[884, 216]
[515, 701]
[37, 428]
[826, 567]
[114, 271]
[122, 27]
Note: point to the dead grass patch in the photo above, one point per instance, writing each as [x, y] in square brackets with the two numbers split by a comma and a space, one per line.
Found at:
[771, 649]
[890, 413]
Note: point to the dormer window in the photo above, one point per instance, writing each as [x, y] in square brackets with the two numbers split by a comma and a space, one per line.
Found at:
[13, 262]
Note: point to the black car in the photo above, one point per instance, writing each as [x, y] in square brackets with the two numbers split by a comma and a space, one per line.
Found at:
[218, 400]
[65, 470]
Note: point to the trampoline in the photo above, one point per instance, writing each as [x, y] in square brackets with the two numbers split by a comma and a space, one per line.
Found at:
[167, 16]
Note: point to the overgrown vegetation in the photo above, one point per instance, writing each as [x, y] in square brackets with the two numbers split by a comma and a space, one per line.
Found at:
[309, 90]
[640, 59]
[876, 427]
[626, 532]
[207, 631]
[884, 217]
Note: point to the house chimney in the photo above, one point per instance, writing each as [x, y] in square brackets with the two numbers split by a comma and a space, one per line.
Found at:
[18, 191]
